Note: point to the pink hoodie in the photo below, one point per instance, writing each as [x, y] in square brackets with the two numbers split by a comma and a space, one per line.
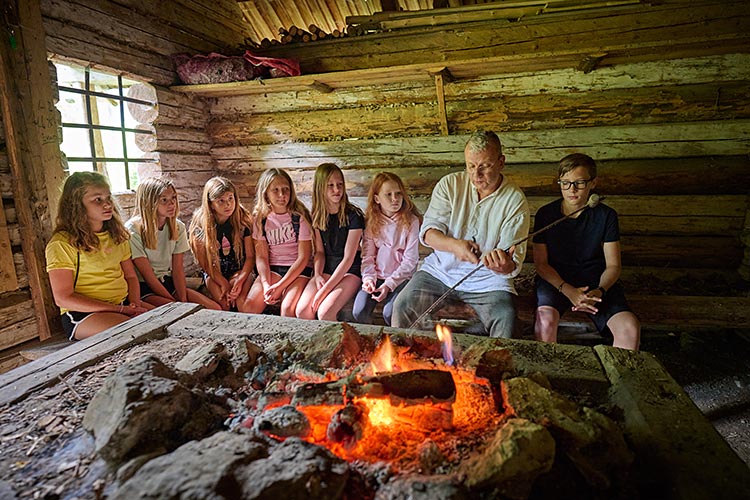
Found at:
[391, 255]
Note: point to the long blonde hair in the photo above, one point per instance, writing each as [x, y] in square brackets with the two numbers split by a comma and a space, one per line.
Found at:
[72, 215]
[373, 221]
[263, 206]
[319, 211]
[147, 203]
[203, 225]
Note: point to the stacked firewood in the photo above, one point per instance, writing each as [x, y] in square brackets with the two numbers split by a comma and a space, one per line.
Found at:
[299, 35]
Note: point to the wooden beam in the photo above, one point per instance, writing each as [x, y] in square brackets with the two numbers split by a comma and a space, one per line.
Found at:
[638, 380]
[18, 384]
[440, 78]
[31, 122]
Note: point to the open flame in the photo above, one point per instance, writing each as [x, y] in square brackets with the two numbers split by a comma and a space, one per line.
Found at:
[384, 357]
[446, 339]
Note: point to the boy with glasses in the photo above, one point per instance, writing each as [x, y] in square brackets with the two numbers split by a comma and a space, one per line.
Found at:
[578, 260]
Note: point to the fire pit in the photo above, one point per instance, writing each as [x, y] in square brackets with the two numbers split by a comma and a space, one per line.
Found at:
[219, 405]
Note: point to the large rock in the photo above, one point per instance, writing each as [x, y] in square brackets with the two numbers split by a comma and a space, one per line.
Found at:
[143, 407]
[337, 346]
[295, 470]
[520, 451]
[229, 362]
[413, 487]
[283, 421]
[199, 469]
[592, 441]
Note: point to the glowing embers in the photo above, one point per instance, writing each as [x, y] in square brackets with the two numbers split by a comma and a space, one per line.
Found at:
[387, 408]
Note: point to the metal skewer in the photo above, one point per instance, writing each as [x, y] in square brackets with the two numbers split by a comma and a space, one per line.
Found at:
[593, 201]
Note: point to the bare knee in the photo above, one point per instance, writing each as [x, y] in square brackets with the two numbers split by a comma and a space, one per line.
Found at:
[626, 330]
[545, 324]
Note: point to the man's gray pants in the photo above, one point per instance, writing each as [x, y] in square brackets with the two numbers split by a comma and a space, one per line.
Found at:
[496, 309]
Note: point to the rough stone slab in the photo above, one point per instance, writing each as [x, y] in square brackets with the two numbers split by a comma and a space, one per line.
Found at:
[569, 368]
[19, 383]
[688, 457]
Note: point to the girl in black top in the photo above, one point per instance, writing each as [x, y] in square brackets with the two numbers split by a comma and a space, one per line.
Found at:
[222, 243]
[338, 227]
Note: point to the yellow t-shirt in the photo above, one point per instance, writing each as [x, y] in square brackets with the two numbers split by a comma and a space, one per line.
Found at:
[100, 275]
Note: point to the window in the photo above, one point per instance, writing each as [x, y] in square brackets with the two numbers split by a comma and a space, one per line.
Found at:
[100, 132]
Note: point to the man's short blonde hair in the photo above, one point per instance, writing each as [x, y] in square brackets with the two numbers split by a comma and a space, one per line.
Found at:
[484, 139]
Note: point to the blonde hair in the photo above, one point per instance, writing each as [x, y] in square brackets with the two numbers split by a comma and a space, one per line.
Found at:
[147, 203]
[203, 224]
[373, 221]
[263, 206]
[72, 216]
[319, 211]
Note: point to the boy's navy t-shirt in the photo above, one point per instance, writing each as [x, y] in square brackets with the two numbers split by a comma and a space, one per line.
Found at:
[334, 242]
[575, 246]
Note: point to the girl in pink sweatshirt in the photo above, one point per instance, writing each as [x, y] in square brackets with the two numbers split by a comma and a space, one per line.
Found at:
[390, 246]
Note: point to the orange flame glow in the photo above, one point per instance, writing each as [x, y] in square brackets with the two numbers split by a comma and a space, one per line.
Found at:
[445, 337]
[384, 357]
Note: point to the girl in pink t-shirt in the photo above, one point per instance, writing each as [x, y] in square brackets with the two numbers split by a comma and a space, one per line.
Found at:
[390, 246]
[283, 244]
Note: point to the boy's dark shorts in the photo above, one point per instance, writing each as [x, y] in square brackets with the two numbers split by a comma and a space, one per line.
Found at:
[166, 281]
[282, 270]
[612, 303]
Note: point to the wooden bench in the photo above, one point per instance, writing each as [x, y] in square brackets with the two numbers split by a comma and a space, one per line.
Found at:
[657, 310]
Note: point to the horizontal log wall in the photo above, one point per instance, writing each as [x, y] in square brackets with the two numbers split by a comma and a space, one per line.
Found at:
[670, 137]
[136, 39]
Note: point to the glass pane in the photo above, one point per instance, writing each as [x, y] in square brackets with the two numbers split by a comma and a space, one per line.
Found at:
[80, 166]
[99, 80]
[107, 112]
[133, 140]
[111, 142]
[116, 173]
[76, 142]
[70, 75]
[72, 107]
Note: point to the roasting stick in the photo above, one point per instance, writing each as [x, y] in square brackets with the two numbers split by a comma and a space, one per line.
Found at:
[593, 201]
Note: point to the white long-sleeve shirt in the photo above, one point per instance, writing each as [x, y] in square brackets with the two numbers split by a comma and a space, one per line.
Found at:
[496, 221]
[393, 254]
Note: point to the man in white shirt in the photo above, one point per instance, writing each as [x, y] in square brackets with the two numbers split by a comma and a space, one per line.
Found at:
[473, 216]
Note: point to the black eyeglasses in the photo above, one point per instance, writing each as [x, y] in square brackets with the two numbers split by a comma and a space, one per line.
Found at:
[580, 184]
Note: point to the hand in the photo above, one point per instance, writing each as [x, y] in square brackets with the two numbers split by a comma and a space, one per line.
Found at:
[272, 294]
[320, 295]
[381, 293]
[466, 250]
[499, 261]
[236, 282]
[368, 285]
[132, 309]
[319, 281]
[582, 299]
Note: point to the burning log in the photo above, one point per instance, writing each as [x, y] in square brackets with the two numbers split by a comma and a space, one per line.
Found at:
[347, 425]
[410, 387]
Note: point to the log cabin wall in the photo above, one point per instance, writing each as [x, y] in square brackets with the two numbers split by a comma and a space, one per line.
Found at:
[138, 39]
[135, 39]
[664, 109]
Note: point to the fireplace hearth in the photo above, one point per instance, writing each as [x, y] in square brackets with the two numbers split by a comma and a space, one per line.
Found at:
[214, 405]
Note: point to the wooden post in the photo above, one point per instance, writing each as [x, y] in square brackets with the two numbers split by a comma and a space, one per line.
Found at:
[31, 124]
[442, 76]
